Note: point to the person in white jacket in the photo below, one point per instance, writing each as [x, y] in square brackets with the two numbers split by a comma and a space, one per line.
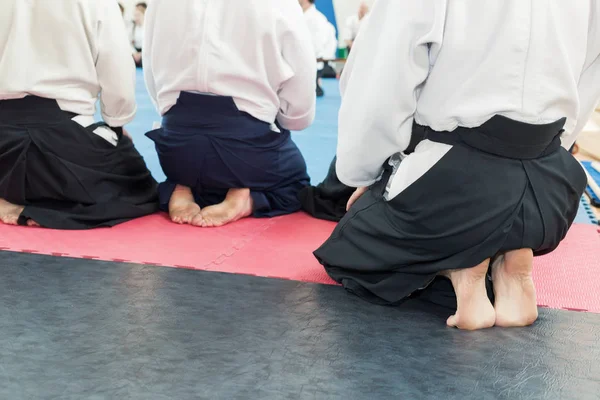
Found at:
[354, 23]
[59, 168]
[136, 32]
[323, 37]
[239, 79]
[451, 129]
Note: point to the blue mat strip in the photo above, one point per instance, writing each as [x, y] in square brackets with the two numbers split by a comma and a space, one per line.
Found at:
[586, 214]
[596, 176]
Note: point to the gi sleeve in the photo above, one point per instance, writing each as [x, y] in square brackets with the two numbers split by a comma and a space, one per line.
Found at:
[115, 68]
[148, 53]
[298, 94]
[380, 85]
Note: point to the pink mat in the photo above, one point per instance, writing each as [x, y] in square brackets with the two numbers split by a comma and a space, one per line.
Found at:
[569, 278]
[282, 248]
[279, 247]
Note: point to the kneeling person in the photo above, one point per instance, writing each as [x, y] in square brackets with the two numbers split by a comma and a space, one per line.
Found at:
[58, 168]
[460, 147]
[239, 79]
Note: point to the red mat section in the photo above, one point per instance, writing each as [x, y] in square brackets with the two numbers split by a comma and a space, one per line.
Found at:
[279, 247]
[282, 248]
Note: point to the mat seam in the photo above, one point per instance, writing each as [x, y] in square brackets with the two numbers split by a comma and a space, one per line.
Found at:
[571, 309]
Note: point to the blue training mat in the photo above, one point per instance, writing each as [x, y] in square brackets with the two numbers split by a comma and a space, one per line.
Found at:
[596, 176]
[585, 215]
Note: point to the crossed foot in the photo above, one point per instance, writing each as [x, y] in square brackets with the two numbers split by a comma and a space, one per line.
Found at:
[183, 209]
[514, 291]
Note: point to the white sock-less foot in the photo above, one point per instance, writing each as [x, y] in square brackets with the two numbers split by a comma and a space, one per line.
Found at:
[237, 205]
[474, 309]
[514, 290]
[182, 206]
[10, 213]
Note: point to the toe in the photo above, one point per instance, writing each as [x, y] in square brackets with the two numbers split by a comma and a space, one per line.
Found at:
[197, 220]
[452, 321]
[10, 220]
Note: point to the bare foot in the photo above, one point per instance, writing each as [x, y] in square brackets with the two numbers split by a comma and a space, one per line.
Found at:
[10, 213]
[182, 206]
[474, 309]
[516, 303]
[32, 223]
[237, 205]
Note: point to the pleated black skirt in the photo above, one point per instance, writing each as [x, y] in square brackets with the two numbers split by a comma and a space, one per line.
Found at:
[503, 186]
[66, 176]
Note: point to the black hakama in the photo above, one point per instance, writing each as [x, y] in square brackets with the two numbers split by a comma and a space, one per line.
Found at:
[66, 176]
[208, 145]
[503, 186]
[327, 200]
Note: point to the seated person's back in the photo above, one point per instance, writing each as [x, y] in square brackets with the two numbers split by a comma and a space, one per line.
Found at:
[58, 168]
[455, 124]
[230, 79]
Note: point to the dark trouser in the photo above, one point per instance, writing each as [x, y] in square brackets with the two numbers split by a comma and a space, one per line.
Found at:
[66, 176]
[207, 144]
[503, 186]
[328, 200]
[320, 92]
[328, 71]
[139, 64]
